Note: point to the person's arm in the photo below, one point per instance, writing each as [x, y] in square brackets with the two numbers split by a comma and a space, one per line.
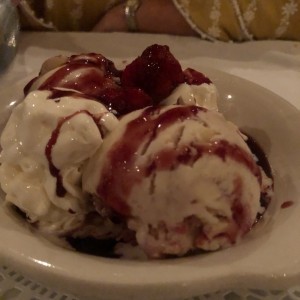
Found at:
[153, 16]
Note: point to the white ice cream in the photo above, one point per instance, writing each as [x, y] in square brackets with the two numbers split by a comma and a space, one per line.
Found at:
[73, 129]
[205, 95]
[189, 184]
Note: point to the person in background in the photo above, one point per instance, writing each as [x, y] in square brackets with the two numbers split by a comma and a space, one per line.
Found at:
[225, 20]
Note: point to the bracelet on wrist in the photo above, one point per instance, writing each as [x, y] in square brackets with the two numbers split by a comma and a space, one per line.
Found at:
[131, 7]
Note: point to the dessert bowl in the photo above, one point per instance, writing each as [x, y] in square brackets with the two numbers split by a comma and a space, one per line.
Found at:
[266, 258]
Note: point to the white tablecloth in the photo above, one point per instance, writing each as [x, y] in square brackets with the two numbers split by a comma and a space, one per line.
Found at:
[274, 65]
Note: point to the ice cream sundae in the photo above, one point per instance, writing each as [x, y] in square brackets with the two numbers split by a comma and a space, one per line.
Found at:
[139, 156]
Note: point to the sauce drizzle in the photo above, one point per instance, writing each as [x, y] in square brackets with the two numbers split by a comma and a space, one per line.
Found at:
[54, 171]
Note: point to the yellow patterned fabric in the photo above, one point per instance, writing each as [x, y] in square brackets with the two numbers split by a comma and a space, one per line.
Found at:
[241, 20]
[64, 15]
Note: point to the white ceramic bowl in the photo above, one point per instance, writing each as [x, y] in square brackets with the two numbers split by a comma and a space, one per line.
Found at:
[267, 258]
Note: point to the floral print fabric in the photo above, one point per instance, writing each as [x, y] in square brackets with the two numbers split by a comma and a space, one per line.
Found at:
[241, 20]
[66, 15]
[237, 20]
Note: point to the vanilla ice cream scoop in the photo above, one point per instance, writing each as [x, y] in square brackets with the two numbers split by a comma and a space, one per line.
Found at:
[45, 145]
[182, 176]
[197, 90]
[205, 95]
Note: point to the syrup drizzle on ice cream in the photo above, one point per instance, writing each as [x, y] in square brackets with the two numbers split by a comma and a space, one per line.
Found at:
[144, 82]
[139, 155]
[121, 162]
[175, 146]
[54, 171]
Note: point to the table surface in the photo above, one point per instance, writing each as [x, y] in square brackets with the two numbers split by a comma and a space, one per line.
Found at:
[274, 65]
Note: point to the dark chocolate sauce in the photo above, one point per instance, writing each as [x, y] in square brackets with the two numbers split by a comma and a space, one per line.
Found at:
[20, 212]
[262, 159]
[54, 171]
[104, 248]
[29, 85]
[263, 162]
